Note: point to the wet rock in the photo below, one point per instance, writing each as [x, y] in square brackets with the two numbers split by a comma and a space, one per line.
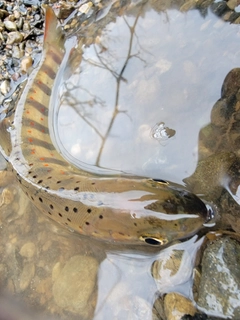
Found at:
[85, 8]
[5, 87]
[158, 309]
[28, 250]
[26, 26]
[9, 25]
[6, 197]
[3, 13]
[172, 264]
[64, 11]
[75, 284]
[176, 306]
[26, 63]
[14, 37]
[16, 52]
[220, 282]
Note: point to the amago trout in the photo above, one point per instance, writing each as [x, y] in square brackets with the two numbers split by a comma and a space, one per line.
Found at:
[112, 208]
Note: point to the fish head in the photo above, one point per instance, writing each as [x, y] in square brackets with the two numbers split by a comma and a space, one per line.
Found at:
[173, 213]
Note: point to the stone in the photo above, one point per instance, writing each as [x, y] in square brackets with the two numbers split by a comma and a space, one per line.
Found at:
[14, 37]
[5, 87]
[75, 284]
[26, 63]
[28, 250]
[10, 25]
[176, 306]
[219, 290]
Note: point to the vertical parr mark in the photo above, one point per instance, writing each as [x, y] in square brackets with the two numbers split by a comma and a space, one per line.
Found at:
[48, 70]
[43, 87]
[39, 106]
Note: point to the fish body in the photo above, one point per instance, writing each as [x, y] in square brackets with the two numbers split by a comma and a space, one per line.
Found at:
[132, 210]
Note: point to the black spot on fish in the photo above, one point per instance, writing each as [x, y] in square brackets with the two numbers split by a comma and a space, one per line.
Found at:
[69, 219]
[60, 215]
[93, 183]
[49, 177]
[75, 209]
[76, 189]
[32, 198]
[100, 217]
[40, 181]
[89, 210]
[35, 176]
[51, 206]
[49, 213]
[59, 181]
[87, 223]
[66, 209]
[40, 199]
[135, 224]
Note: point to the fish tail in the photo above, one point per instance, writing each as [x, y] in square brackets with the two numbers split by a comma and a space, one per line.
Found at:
[53, 34]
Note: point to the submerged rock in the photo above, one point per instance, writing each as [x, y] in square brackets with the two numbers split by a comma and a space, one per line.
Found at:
[219, 292]
[75, 285]
[176, 306]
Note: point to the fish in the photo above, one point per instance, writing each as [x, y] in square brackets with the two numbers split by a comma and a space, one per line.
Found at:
[118, 208]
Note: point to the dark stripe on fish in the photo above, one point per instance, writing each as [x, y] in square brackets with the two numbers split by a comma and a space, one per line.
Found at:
[43, 87]
[39, 106]
[57, 58]
[55, 161]
[35, 125]
[49, 71]
[41, 143]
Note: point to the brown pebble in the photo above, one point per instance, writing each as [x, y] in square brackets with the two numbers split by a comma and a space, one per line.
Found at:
[26, 63]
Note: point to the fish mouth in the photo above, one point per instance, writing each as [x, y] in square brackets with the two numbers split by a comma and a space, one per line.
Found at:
[211, 214]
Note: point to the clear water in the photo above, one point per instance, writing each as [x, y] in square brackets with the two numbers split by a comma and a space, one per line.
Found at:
[174, 65]
[135, 104]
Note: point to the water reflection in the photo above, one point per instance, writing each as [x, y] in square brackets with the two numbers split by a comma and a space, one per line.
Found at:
[142, 70]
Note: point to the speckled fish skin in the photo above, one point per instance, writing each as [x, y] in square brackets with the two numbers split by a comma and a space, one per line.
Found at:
[131, 210]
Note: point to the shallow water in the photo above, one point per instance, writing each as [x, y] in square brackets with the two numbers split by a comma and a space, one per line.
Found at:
[174, 65]
[147, 71]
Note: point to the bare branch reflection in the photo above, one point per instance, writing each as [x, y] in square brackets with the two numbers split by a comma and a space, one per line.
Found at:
[106, 62]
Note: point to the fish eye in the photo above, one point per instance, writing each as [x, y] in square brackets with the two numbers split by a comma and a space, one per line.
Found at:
[153, 241]
[160, 181]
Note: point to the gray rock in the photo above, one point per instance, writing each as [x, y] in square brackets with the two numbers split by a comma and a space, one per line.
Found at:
[219, 292]
[10, 25]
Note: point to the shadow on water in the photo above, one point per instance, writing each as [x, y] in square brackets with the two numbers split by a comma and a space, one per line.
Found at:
[138, 100]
